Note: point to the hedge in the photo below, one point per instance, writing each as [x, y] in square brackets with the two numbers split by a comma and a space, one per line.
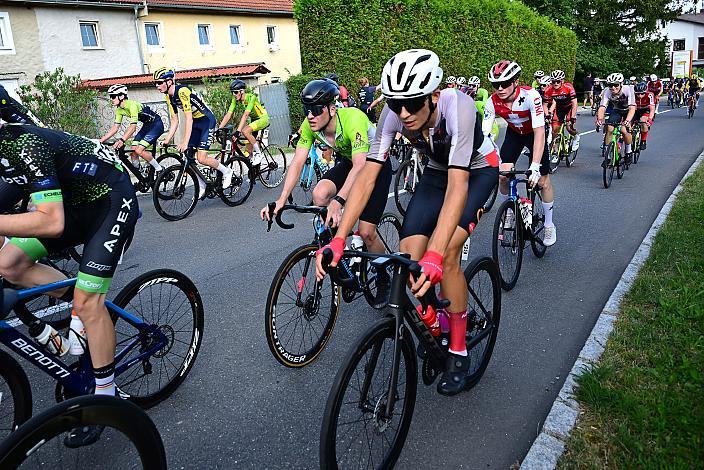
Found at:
[294, 85]
[355, 38]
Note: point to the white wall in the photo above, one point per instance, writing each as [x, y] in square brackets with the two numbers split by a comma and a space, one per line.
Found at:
[690, 32]
[60, 40]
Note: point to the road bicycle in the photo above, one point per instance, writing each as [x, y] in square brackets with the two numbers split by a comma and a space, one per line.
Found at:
[158, 319]
[129, 438]
[370, 406]
[519, 219]
[271, 171]
[313, 170]
[176, 189]
[407, 179]
[691, 104]
[143, 171]
[301, 312]
[612, 159]
[561, 148]
[400, 151]
[637, 139]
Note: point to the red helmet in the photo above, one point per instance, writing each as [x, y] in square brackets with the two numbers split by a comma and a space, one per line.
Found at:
[503, 71]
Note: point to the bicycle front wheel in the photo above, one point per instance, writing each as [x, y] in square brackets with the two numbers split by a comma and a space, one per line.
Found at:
[169, 301]
[175, 193]
[15, 394]
[357, 431]
[537, 226]
[241, 186]
[130, 438]
[608, 165]
[406, 181]
[273, 167]
[300, 312]
[388, 231]
[507, 244]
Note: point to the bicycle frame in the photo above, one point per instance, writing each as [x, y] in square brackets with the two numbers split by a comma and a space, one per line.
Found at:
[79, 381]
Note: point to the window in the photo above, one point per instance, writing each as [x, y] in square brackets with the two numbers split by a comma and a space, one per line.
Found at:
[678, 44]
[271, 35]
[151, 31]
[700, 49]
[89, 34]
[235, 35]
[7, 45]
[204, 36]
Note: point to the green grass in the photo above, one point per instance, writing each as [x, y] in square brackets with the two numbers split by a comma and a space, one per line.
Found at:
[643, 404]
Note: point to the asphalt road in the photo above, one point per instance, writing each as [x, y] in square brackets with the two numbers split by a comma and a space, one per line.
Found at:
[240, 409]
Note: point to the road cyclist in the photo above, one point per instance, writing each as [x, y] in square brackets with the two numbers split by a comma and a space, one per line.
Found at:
[480, 96]
[619, 102]
[250, 106]
[562, 103]
[645, 112]
[536, 78]
[655, 87]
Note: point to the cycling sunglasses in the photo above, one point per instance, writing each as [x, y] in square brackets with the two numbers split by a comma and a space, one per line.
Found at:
[504, 85]
[555, 81]
[412, 105]
[314, 109]
[159, 82]
[114, 96]
[613, 85]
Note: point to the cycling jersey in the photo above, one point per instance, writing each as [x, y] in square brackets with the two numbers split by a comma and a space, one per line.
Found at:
[562, 96]
[135, 112]
[597, 89]
[353, 133]
[13, 111]
[455, 140]
[523, 115]
[693, 85]
[655, 87]
[186, 99]
[645, 101]
[251, 104]
[366, 96]
[480, 98]
[619, 101]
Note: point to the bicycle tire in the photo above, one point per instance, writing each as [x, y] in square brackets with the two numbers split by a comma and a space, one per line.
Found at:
[274, 173]
[403, 190]
[509, 276]
[242, 183]
[389, 231]
[537, 226]
[15, 392]
[309, 310]
[620, 166]
[608, 166]
[133, 298]
[636, 147]
[302, 193]
[34, 443]
[492, 198]
[555, 153]
[481, 317]
[166, 199]
[373, 338]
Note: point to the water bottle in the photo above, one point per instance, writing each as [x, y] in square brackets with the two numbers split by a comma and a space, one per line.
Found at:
[49, 338]
[228, 145]
[527, 212]
[430, 318]
[76, 335]
[356, 244]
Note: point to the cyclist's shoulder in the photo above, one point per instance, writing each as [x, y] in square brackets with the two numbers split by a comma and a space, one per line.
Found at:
[353, 116]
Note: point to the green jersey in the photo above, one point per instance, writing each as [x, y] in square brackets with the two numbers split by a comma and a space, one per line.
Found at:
[135, 112]
[251, 103]
[353, 133]
[480, 100]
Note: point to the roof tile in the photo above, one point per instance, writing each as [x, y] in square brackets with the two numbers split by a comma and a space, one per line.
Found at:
[249, 5]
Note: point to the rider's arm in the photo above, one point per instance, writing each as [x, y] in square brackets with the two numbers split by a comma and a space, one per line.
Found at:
[245, 114]
[184, 95]
[174, 121]
[537, 119]
[631, 105]
[489, 117]
[229, 113]
[575, 102]
[294, 173]
[133, 108]
[111, 132]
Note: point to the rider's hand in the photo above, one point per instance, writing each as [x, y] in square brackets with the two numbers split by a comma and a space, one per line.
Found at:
[650, 122]
[119, 143]
[334, 214]
[534, 173]
[237, 135]
[182, 147]
[431, 262]
[627, 123]
[599, 122]
[293, 139]
[265, 211]
[337, 245]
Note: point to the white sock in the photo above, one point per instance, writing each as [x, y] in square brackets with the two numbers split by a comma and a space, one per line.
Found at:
[105, 380]
[155, 164]
[223, 169]
[503, 196]
[547, 208]
[628, 148]
[257, 149]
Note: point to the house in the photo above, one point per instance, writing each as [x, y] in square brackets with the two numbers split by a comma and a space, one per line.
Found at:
[686, 34]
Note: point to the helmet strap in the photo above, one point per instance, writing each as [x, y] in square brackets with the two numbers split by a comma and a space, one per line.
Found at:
[325, 127]
[432, 107]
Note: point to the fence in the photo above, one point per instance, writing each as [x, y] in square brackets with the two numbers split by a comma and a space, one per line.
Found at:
[275, 99]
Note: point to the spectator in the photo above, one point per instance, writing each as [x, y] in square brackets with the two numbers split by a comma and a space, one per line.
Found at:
[588, 89]
[366, 98]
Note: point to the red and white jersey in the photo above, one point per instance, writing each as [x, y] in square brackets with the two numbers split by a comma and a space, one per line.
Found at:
[645, 101]
[655, 87]
[563, 96]
[522, 115]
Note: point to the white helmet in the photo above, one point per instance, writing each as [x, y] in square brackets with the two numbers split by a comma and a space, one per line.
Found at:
[503, 71]
[557, 75]
[653, 77]
[474, 80]
[411, 73]
[538, 74]
[544, 80]
[615, 78]
[461, 81]
[451, 79]
[117, 89]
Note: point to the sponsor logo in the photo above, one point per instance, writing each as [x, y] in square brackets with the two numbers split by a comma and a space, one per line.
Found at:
[98, 267]
[46, 362]
[191, 353]
[116, 229]
[158, 280]
[89, 284]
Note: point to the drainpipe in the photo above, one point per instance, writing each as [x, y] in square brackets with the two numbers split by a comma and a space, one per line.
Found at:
[139, 38]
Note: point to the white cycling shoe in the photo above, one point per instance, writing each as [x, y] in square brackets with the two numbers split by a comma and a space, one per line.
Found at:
[550, 236]
[227, 179]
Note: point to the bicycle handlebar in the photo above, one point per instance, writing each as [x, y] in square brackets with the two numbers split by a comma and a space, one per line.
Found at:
[322, 211]
[515, 173]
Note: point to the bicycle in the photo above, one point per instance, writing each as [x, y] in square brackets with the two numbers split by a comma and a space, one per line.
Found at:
[156, 345]
[517, 220]
[691, 104]
[561, 148]
[314, 168]
[144, 173]
[176, 189]
[636, 140]
[611, 157]
[271, 171]
[130, 438]
[301, 312]
[407, 179]
[370, 405]
[399, 152]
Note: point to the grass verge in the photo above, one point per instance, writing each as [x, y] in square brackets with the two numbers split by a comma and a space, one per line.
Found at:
[643, 403]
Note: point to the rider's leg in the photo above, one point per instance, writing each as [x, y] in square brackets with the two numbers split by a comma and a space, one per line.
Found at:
[142, 151]
[324, 192]
[18, 266]
[100, 332]
[253, 144]
[644, 128]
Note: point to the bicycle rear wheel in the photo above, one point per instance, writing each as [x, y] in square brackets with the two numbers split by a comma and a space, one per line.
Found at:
[300, 312]
[273, 173]
[636, 146]
[507, 244]
[356, 431]
[241, 186]
[405, 183]
[15, 394]
[175, 193]
[130, 438]
[170, 301]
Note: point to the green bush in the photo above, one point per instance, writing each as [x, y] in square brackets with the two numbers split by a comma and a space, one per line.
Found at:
[294, 85]
[468, 35]
[60, 102]
[218, 97]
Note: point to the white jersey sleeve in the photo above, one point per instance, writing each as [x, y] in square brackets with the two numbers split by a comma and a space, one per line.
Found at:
[389, 124]
[537, 116]
[489, 116]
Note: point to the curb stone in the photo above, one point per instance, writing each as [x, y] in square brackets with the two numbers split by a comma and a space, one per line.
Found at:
[549, 445]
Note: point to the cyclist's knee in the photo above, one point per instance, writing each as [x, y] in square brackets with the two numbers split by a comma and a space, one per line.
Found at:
[368, 233]
[322, 194]
[13, 263]
[88, 305]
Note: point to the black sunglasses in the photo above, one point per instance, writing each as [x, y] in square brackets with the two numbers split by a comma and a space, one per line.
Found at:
[114, 96]
[314, 109]
[613, 85]
[159, 82]
[556, 81]
[412, 105]
[504, 85]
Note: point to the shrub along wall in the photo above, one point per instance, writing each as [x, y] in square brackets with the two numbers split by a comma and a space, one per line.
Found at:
[355, 38]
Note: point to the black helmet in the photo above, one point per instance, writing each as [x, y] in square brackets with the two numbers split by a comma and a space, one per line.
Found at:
[237, 85]
[640, 87]
[334, 77]
[320, 91]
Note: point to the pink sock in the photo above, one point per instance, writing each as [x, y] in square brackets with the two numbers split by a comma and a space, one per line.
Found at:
[458, 332]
